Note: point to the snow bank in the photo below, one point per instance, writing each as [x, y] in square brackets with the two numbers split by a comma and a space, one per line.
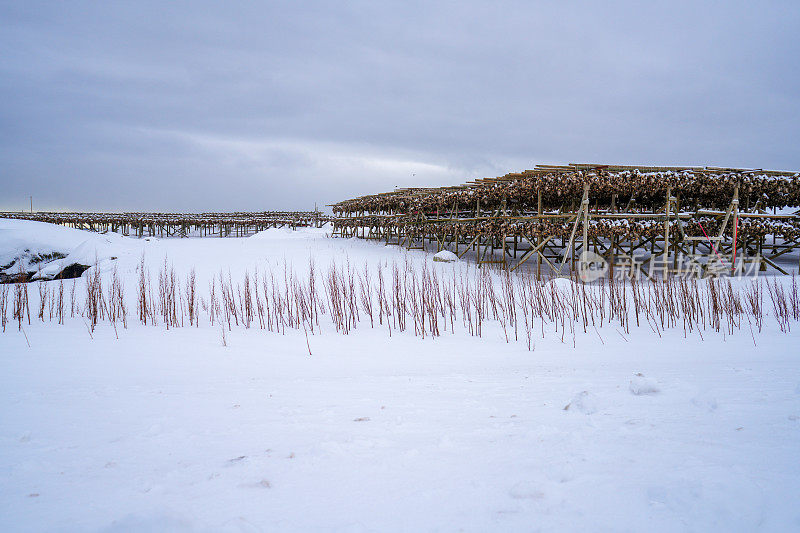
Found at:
[44, 250]
[28, 244]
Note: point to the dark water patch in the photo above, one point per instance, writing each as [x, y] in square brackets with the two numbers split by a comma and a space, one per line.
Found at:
[16, 277]
[75, 270]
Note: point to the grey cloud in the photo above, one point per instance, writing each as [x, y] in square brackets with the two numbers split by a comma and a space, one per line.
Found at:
[194, 106]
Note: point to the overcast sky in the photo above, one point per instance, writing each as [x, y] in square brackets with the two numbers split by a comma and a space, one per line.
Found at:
[193, 106]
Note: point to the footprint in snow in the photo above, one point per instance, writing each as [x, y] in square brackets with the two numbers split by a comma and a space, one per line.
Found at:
[704, 401]
[236, 460]
[154, 430]
[634, 422]
[583, 402]
[526, 491]
[263, 484]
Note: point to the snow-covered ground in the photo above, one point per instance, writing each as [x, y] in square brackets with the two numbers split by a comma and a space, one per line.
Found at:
[148, 429]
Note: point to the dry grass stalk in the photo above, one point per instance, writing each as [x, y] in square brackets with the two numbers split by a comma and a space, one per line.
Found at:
[423, 295]
[4, 305]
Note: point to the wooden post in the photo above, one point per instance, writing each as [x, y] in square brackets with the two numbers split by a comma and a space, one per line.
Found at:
[578, 216]
[735, 224]
[666, 228]
[539, 237]
[585, 207]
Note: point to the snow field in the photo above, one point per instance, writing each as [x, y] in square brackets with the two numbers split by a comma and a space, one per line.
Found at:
[148, 429]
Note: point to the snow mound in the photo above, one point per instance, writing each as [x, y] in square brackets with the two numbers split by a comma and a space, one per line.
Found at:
[564, 285]
[29, 245]
[583, 402]
[640, 385]
[99, 251]
[445, 256]
[44, 250]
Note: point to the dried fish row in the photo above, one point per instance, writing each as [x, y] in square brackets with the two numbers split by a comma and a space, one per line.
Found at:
[635, 190]
[621, 229]
[285, 217]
